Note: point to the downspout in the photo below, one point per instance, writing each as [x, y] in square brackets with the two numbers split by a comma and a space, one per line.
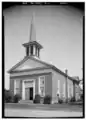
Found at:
[74, 89]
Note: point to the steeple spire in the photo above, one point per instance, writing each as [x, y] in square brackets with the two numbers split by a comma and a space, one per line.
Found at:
[32, 30]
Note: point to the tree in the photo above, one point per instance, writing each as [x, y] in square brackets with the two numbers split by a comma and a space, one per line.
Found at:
[8, 96]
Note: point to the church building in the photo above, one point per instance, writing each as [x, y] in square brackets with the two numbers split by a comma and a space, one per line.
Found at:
[33, 76]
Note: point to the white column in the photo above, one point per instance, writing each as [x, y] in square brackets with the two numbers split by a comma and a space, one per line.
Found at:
[33, 89]
[34, 50]
[14, 87]
[68, 90]
[39, 85]
[37, 51]
[23, 90]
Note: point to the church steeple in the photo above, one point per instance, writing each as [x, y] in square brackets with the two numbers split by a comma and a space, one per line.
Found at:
[32, 30]
[32, 47]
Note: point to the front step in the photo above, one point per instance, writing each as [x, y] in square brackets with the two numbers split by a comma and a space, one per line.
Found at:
[26, 101]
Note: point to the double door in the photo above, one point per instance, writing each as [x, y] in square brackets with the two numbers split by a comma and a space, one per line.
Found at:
[29, 93]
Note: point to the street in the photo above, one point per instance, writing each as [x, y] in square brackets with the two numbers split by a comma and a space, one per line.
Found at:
[40, 113]
[17, 110]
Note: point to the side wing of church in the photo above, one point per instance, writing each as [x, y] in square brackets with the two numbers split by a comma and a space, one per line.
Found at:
[32, 76]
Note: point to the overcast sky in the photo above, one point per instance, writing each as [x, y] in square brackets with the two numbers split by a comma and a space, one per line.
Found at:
[58, 29]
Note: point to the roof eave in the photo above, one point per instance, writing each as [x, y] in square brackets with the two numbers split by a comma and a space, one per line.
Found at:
[56, 69]
[34, 42]
[27, 70]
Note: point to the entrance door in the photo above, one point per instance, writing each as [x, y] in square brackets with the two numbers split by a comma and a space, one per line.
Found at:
[31, 93]
[26, 93]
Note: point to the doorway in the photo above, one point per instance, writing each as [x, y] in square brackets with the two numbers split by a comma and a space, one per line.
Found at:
[26, 93]
[31, 93]
[28, 87]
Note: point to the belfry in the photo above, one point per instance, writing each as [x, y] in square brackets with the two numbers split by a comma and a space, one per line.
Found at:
[32, 47]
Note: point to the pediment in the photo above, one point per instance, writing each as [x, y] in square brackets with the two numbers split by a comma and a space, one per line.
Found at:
[30, 63]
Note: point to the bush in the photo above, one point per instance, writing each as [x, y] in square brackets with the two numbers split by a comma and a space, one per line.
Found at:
[81, 96]
[8, 96]
[60, 101]
[37, 99]
[16, 99]
[72, 99]
[47, 99]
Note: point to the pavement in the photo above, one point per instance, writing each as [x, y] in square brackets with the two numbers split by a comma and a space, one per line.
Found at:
[36, 110]
[40, 113]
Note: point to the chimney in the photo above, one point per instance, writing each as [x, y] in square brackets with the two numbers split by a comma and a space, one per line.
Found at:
[66, 71]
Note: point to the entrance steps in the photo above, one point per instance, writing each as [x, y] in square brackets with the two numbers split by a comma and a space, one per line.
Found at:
[26, 101]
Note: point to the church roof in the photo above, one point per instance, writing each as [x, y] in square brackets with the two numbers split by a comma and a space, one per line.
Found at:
[47, 65]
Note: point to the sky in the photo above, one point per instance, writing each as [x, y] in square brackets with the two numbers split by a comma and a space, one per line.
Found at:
[59, 29]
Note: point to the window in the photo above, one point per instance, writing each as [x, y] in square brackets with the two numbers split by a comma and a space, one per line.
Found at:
[41, 82]
[42, 85]
[64, 89]
[42, 91]
[58, 87]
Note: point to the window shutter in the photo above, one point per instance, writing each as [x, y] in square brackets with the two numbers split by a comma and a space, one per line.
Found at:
[64, 89]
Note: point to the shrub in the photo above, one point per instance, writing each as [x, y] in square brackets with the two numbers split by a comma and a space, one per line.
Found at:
[60, 101]
[8, 96]
[81, 96]
[47, 99]
[72, 99]
[37, 99]
[42, 100]
[16, 99]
